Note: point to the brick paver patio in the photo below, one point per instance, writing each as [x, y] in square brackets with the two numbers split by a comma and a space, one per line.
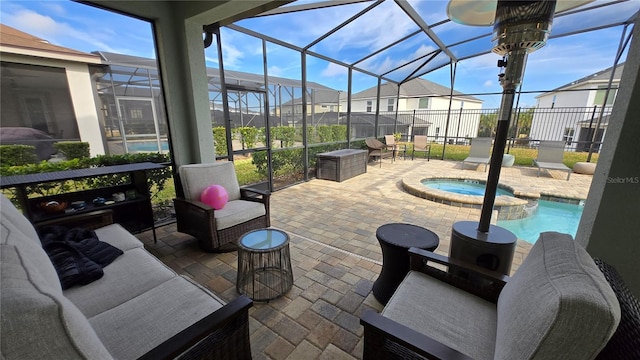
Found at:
[335, 255]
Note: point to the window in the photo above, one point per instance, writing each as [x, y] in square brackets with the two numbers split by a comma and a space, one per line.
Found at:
[390, 104]
[567, 137]
[423, 103]
[601, 92]
[369, 105]
[38, 98]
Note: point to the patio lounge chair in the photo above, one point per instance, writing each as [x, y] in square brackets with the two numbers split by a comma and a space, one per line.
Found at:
[421, 144]
[550, 156]
[218, 230]
[557, 305]
[479, 152]
[390, 140]
[378, 149]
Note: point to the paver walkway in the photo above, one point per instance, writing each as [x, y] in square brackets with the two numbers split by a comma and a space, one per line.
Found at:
[335, 255]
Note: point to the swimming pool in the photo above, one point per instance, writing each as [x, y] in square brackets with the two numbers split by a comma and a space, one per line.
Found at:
[547, 216]
[462, 187]
[147, 146]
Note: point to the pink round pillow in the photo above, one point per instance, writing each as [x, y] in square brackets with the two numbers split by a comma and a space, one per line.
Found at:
[215, 196]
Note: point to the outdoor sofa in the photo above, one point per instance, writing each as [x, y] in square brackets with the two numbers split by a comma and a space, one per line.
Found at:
[139, 308]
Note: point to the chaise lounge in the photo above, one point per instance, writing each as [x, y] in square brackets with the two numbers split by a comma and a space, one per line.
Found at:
[479, 152]
[550, 156]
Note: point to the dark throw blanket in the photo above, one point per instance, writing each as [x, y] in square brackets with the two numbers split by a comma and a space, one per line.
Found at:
[77, 254]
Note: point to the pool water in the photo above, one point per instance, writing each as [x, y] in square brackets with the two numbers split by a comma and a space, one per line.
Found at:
[548, 216]
[146, 146]
[462, 187]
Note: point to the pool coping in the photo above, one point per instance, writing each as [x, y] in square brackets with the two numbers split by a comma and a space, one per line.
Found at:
[508, 207]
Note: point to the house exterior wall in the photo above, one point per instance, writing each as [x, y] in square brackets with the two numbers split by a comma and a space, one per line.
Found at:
[81, 93]
[568, 125]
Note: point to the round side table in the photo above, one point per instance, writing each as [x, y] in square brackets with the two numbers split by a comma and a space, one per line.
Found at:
[264, 264]
[395, 240]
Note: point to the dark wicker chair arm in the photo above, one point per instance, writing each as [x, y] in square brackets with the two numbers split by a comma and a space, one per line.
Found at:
[193, 205]
[625, 342]
[386, 339]
[471, 278]
[248, 193]
[223, 334]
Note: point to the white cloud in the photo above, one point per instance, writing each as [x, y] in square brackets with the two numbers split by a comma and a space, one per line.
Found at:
[488, 83]
[232, 56]
[55, 32]
[275, 71]
[334, 70]
[55, 8]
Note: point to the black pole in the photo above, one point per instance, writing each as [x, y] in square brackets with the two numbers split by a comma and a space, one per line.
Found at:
[514, 68]
[495, 165]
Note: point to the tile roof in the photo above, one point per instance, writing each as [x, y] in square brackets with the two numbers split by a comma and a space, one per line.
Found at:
[11, 37]
[413, 88]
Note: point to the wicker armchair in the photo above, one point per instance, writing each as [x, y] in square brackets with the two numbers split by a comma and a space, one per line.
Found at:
[378, 149]
[557, 306]
[219, 230]
[625, 342]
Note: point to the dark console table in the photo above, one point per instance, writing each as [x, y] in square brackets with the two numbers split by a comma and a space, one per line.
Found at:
[340, 165]
[134, 213]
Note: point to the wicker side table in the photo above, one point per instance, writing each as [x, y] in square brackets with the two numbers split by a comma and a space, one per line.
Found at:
[264, 264]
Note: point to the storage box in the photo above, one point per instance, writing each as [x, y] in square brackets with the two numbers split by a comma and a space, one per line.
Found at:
[340, 165]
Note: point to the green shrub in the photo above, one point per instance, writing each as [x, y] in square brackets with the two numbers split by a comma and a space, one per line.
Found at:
[220, 140]
[285, 134]
[157, 178]
[248, 136]
[12, 155]
[73, 149]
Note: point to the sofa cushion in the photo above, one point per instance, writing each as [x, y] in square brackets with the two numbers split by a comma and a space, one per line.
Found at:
[142, 323]
[238, 211]
[557, 289]
[131, 274]
[196, 177]
[118, 236]
[10, 214]
[447, 314]
[38, 322]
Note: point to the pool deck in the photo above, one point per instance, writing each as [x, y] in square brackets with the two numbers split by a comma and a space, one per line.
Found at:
[335, 254]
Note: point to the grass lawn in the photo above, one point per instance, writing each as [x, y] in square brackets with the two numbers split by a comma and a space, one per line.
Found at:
[523, 156]
[248, 173]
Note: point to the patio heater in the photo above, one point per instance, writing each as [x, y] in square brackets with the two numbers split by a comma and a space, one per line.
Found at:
[519, 28]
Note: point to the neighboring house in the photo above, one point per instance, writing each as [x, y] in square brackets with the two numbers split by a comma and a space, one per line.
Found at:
[572, 112]
[427, 99]
[320, 99]
[48, 88]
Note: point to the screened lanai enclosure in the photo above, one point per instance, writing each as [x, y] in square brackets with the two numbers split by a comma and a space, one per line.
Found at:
[279, 123]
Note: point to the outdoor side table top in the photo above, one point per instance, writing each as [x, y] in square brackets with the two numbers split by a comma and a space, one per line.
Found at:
[264, 264]
[395, 240]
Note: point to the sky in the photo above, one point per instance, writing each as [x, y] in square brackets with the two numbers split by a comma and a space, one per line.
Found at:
[561, 61]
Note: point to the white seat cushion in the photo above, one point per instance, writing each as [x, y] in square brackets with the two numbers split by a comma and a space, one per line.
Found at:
[447, 314]
[129, 275]
[137, 326]
[237, 212]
